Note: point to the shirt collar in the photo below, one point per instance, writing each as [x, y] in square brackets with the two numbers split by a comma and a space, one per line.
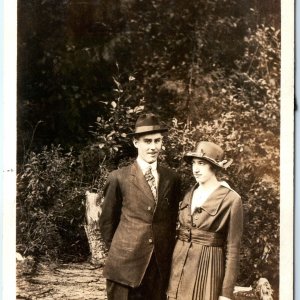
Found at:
[212, 205]
[144, 165]
[225, 184]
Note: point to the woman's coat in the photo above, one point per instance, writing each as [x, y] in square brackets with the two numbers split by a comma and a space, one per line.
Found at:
[221, 214]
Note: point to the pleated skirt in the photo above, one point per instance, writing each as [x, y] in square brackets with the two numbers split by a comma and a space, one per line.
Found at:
[197, 272]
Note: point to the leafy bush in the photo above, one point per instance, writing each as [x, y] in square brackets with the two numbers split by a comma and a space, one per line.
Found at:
[261, 235]
[50, 204]
[110, 131]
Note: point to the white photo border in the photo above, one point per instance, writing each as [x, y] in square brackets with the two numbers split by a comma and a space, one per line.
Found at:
[8, 151]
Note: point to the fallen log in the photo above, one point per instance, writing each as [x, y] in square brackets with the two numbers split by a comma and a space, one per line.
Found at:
[262, 291]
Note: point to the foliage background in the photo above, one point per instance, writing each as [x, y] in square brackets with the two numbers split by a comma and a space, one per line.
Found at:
[87, 69]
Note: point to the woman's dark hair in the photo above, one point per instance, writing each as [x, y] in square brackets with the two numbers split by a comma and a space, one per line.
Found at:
[213, 167]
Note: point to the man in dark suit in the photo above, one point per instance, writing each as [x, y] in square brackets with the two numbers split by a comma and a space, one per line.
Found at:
[138, 219]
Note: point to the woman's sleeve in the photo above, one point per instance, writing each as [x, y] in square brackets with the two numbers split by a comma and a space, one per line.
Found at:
[235, 230]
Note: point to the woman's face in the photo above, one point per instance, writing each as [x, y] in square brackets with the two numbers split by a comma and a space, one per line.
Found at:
[202, 170]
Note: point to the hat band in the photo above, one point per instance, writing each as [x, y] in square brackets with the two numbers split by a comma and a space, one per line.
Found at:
[141, 129]
[223, 164]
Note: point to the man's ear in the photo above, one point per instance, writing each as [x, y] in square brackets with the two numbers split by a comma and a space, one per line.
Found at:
[135, 141]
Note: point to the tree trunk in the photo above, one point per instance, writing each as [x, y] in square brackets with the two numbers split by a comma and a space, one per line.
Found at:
[93, 213]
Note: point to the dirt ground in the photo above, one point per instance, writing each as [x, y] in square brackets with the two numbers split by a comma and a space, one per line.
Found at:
[72, 281]
[64, 281]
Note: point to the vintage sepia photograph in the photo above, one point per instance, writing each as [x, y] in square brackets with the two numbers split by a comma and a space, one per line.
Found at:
[150, 141]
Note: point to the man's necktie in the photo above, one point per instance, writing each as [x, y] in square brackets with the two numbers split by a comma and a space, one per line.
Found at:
[151, 181]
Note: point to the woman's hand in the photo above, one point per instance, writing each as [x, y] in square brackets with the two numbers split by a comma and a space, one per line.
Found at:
[223, 298]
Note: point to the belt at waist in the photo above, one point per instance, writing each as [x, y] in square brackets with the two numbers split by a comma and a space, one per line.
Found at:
[202, 237]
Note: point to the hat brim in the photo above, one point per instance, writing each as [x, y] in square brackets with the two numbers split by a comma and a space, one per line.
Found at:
[147, 130]
[190, 155]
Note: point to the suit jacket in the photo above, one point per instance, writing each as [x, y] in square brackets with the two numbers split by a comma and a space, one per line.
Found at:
[134, 226]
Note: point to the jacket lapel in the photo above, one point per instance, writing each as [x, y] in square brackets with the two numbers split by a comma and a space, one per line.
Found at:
[139, 180]
[214, 200]
[163, 182]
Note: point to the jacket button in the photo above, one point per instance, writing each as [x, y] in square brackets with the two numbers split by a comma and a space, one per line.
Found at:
[150, 241]
[149, 207]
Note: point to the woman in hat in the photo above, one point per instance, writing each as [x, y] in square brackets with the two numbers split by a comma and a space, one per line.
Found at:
[205, 260]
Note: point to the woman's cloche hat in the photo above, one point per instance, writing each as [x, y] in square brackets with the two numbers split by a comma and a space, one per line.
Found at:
[210, 152]
[147, 123]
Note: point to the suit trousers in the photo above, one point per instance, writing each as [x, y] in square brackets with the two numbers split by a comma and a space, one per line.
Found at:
[151, 288]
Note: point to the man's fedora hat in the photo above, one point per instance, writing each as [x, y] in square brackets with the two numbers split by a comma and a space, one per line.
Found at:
[147, 123]
[210, 152]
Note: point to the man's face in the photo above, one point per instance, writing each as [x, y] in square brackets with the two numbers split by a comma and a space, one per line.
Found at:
[148, 146]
